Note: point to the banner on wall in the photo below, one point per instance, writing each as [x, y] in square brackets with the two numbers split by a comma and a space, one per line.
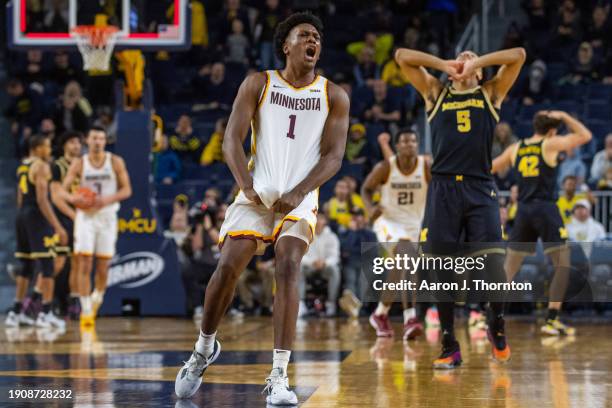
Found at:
[144, 274]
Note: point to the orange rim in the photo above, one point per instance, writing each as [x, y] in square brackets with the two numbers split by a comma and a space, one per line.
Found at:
[97, 36]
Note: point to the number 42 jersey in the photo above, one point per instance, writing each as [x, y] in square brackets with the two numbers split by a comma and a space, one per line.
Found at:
[286, 134]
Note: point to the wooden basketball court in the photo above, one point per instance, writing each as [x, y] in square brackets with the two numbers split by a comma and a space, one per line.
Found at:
[133, 363]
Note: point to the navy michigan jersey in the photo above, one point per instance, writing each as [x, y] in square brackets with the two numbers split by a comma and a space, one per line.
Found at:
[34, 235]
[25, 184]
[536, 179]
[462, 125]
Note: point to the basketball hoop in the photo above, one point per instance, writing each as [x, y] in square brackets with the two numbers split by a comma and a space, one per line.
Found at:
[96, 44]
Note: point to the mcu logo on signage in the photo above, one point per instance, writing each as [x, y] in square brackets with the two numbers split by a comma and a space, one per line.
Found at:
[135, 269]
[137, 224]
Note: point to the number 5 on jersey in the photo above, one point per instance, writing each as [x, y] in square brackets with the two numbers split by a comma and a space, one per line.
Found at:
[464, 124]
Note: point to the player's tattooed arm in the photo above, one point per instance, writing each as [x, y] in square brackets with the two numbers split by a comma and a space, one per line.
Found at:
[510, 62]
[243, 110]
[373, 181]
[333, 143]
[578, 136]
[505, 160]
[41, 176]
[124, 186]
[414, 63]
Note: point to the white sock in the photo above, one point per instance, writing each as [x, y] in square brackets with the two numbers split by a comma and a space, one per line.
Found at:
[280, 359]
[97, 295]
[409, 314]
[86, 304]
[381, 309]
[206, 344]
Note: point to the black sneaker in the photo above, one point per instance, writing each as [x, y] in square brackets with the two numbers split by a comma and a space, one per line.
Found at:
[451, 354]
[496, 334]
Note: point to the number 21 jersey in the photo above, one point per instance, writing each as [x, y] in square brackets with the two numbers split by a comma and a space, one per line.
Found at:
[286, 134]
[403, 196]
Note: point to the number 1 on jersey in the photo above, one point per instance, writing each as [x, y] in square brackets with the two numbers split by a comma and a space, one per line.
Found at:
[290, 133]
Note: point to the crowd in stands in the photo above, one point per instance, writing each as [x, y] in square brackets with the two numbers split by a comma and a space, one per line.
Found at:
[569, 68]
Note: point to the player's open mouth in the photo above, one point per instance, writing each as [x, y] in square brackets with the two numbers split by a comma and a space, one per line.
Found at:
[311, 52]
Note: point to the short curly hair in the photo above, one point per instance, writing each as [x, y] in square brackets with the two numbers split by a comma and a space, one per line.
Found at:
[404, 131]
[284, 28]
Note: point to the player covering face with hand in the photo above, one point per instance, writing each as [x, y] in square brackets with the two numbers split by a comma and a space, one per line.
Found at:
[462, 196]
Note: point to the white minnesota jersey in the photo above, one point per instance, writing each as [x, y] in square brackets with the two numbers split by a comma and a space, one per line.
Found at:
[102, 180]
[403, 198]
[286, 134]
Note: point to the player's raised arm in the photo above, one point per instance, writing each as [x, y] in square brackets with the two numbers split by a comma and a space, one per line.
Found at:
[510, 62]
[384, 142]
[41, 175]
[333, 143]
[377, 177]
[414, 63]
[578, 136]
[243, 110]
[504, 160]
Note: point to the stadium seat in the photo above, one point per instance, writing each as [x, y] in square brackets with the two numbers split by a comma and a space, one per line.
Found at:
[599, 110]
[599, 129]
[523, 129]
[326, 191]
[195, 189]
[164, 211]
[217, 171]
[360, 99]
[166, 191]
[600, 91]
[556, 71]
[190, 171]
[508, 111]
[528, 111]
[588, 150]
[354, 170]
[572, 107]
[573, 92]
[225, 186]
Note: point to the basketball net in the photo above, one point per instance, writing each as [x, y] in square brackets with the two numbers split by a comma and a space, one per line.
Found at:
[96, 44]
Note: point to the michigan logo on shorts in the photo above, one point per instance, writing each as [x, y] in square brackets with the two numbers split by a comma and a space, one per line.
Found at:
[423, 237]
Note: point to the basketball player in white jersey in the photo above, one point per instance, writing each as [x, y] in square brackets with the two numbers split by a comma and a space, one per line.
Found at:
[95, 229]
[299, 123]
[403, 181]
